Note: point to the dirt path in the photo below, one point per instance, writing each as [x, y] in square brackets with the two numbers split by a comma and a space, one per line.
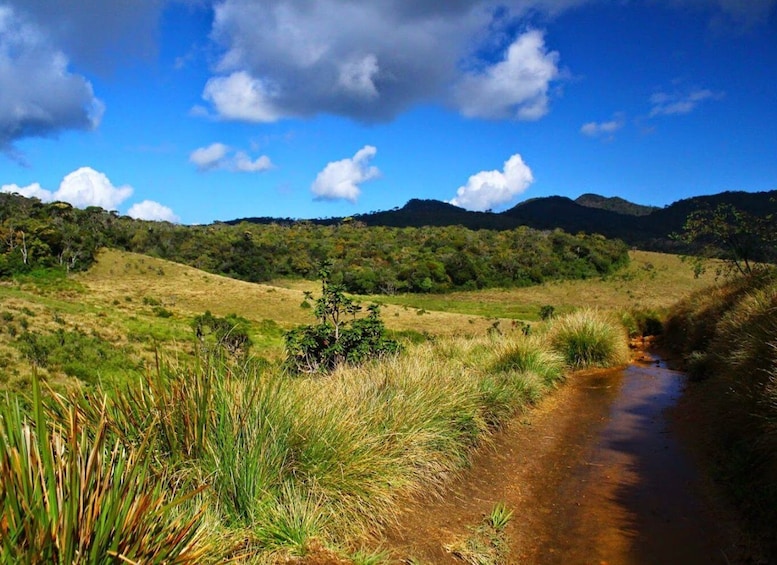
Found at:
[595, 475]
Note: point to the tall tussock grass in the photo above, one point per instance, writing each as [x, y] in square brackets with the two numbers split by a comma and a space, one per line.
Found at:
[255, 464]
[590, 338]
[70, 496]
[727, 336]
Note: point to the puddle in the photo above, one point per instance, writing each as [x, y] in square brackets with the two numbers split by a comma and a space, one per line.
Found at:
[595, 475]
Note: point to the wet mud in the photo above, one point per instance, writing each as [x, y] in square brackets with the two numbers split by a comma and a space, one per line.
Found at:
[597, 473]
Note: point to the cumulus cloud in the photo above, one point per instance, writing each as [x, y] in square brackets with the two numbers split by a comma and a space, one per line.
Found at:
[604, 129]
[150, 210]
[86, 187]
[241, 97]
[220, 156]
[207, 158]
[33, 190]
[669, 104]
[372, 60]
[488, 189]
[516, 87]
[39, 96]
[81, 188]
[340, 180]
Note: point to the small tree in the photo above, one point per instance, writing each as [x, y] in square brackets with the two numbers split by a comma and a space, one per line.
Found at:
[740, 238]
[339, 336]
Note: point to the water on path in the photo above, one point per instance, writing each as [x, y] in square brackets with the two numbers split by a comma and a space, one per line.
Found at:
[596, 474]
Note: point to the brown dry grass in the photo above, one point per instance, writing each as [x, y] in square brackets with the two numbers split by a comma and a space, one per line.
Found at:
[183, 289]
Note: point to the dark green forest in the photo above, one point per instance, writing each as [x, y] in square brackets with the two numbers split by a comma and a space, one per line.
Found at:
[366, 260]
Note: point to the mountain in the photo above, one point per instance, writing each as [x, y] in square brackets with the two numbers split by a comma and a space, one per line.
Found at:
[640, 226]
[614, 204]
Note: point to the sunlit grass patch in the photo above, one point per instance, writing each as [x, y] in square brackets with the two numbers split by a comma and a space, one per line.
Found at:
[589, 338]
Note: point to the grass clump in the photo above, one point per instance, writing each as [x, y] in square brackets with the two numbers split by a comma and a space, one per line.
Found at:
[284, 466]
[589, 338]
[69, 495]
[486, 543]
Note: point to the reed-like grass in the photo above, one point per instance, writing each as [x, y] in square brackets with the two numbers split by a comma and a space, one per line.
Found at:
[70, 496]
[589, 338]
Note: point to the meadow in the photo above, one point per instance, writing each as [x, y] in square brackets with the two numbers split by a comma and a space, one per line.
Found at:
[195, 456]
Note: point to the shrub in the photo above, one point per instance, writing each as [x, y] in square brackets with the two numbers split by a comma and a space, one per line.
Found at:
[547, 312]
[229, 333]
[335, 339]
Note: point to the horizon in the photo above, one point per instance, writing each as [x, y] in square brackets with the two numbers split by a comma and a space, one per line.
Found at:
[197, 111]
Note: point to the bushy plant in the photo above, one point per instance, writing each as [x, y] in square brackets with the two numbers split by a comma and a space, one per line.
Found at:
[229, 333]
[336, 339]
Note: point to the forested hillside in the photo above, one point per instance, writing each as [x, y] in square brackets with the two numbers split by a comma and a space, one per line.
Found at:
[644, 227]
[367, 259]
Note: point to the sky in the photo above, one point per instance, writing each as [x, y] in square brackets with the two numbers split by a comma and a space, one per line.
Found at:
[195, 111]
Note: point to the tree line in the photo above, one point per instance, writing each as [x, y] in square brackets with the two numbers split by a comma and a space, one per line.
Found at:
[365, 260]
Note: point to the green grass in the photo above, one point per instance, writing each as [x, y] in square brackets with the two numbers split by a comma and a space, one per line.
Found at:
[277, 465]
[727, 338]
[70, 495]
[589, 338]
[486, 543]
[651, 281]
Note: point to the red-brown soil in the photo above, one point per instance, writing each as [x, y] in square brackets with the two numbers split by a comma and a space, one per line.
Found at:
[596, 473]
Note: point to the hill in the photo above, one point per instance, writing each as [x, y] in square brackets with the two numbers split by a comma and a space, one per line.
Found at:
[639, 226]
[614, 204]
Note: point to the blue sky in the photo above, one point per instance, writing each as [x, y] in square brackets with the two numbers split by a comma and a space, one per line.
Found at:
[202, 110]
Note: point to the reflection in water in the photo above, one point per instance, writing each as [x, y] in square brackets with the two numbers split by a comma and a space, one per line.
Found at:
[632, 497]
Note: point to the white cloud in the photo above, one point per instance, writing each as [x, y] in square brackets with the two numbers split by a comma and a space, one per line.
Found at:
[87, 187]
[207, 158]
[33, 190]
[217, 156]
[664, 104]
[241, 97]
[39, 96]
[154, 211]
[340, 180]
[243, 163]
[81, 188]
[604, 129]
[489, 189]
[516, 87]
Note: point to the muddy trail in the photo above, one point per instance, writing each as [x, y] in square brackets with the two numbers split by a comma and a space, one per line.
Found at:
[598, 473]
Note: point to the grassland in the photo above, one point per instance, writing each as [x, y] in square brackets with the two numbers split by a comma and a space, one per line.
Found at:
[131, 305]
[257, 466]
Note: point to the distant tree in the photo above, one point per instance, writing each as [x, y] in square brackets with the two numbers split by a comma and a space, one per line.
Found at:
[745, 241]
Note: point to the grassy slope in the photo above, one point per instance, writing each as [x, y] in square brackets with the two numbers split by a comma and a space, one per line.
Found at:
[119, 300]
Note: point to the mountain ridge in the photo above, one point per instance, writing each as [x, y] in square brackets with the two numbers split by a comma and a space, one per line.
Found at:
[644, 227]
